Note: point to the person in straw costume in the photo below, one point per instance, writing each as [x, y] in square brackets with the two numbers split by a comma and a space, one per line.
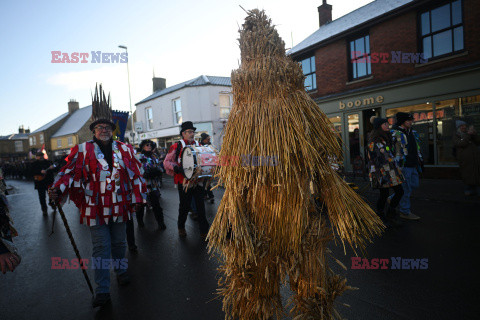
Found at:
[267, 226]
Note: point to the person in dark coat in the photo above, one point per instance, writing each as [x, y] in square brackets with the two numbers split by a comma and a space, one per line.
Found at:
[467, 145]
[384, 171]
[43, 176]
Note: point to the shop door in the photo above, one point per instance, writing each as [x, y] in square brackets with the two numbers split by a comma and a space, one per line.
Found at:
[353, 141]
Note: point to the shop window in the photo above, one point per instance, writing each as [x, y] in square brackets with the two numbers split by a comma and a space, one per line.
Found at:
[359, 55]
[423, 124]
[448, 112]
[354, 136]
[308, 67]
[441, 30]
[337, 125]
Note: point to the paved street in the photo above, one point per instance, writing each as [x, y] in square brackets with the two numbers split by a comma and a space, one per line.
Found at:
[175, 279]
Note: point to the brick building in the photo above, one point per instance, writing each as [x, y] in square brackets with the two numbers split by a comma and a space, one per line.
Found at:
[42, 135]
[74, 131]
[14, 146]
[416, 56]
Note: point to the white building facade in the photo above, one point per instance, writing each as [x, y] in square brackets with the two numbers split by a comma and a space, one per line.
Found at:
[205, 100]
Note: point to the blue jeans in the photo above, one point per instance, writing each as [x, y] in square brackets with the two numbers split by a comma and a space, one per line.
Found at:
[412, 182]
[108, 240]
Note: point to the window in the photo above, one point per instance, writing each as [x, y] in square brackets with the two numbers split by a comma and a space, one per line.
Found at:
[34, 139]
[466, 109]
[177, 111]
[359, 54]
[31, 141]
[441, 30]
[41, 138]
[308, 67]
[18, 146]
[59, 143]
[225, 106]
[149, 116]
[70, 141]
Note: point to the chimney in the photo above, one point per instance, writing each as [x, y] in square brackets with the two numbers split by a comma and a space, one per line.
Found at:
[21, 129]
[159, 84]
[72, 106]
[324, 13]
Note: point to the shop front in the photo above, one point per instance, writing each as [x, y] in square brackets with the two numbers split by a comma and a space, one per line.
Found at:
[435, 104]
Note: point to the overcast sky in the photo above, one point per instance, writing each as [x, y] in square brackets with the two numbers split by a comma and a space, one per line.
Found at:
[180, 40]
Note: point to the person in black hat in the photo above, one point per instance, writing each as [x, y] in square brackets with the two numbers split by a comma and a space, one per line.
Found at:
[43, 177]
[152, 175]
[173, 167]
[380, 157]
[103, 178]
[406, 145]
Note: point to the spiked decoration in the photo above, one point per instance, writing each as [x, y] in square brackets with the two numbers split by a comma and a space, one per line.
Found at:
[101, 109]
[267, 226]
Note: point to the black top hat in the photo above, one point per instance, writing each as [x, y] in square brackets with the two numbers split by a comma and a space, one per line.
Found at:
[101, 109]
[187, 125]
[402, 117]
[148, 141]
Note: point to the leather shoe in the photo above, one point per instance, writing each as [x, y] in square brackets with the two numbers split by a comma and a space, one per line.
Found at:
[182, 233]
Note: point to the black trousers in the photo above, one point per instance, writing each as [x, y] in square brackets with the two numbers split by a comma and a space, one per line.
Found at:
[185, 200]
[154, 199]
[42, 196]
[384, 193]
[207, 186]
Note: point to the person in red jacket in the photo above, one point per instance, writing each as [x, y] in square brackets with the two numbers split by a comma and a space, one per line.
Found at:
[104, 180]
[195, 191]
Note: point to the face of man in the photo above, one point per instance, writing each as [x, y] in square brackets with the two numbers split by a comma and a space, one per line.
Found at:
[147, 147]
[103, 132]
[385, 126]
[407, 124]
[188, 135]
[463, 128]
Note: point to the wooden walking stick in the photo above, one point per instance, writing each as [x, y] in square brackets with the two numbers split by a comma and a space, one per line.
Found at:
[75, 248]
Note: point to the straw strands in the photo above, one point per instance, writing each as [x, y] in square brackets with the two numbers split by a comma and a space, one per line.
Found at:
[267, 226]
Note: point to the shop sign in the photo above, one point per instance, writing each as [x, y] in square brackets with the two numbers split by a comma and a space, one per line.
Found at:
[361, 102]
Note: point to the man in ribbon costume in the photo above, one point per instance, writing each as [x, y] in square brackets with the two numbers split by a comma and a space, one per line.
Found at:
[267, 227]
[104, 180]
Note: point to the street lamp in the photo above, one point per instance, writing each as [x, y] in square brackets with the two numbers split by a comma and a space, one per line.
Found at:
[129, 95]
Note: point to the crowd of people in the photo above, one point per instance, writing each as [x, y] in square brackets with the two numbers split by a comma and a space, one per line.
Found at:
[108, 181]
[395, 163]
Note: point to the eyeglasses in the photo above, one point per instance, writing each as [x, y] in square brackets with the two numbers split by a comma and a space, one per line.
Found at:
[102, 128]
[190, 131]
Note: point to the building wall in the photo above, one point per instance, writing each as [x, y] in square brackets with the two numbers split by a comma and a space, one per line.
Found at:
[47, 134]
[199, 104]
[64, 139]
[7, 148]
[396, 34]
